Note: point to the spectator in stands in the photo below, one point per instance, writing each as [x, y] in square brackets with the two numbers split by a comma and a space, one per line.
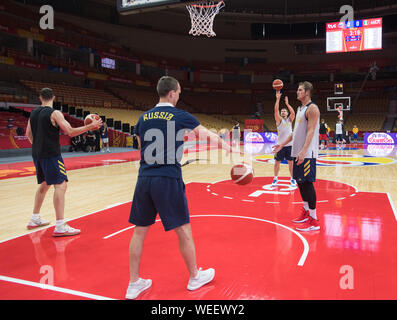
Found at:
[328, 131]
[73, 146]
[43, 130]
[77, 143]
[90, 141]
[105, 138]
[346, 137]
[355, 133]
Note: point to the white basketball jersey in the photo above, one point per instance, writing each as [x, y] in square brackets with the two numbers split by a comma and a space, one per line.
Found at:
[338, 129]
[300, 132]
[284, 129]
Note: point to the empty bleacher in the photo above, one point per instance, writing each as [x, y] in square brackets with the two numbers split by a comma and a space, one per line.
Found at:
[78, 96]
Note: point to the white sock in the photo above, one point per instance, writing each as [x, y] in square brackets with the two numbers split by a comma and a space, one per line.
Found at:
[306, 205]
[59, 223]
[275, 177]
[313, 214]
[36, 216]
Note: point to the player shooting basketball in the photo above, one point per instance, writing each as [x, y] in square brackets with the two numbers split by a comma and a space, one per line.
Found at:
[284, 118]
[305, 140]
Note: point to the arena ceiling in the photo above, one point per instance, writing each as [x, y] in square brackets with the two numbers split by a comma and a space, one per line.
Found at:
[293, 6]
[289, 11]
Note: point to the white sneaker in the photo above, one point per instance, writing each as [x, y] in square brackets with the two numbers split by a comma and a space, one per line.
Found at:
[202, 278]
[65, 230]
[136, 288]
[35, 223]
[274, 183]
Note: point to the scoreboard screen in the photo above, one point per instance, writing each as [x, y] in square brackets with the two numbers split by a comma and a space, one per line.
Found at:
[135, 6]
[357, 35]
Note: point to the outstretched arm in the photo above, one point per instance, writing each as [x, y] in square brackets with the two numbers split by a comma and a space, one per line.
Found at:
[203, 132]
[277, 116]
[65, 126]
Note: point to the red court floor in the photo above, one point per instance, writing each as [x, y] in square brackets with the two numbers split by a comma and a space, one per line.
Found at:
[244, 232]
[23, 169]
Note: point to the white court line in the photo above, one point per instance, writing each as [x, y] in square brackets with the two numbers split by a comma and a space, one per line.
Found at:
[120, 231]
[54, 288]
[51, 226]
[392, 205]
[305, 243]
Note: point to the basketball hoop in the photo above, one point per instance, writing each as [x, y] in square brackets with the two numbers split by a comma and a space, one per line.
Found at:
[202, 17]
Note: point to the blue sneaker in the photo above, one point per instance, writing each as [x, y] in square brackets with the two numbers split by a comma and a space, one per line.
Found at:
[293, 183]
[274, 183]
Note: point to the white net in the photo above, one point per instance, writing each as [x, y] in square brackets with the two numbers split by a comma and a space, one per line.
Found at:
[202, 18]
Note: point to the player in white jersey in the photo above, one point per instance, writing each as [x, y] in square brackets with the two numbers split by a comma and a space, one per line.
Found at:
[284, 117]
[305, 142]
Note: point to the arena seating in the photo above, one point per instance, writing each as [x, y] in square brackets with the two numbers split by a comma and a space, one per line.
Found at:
[78, 96]
[140, 99]
[214, 109]
[14, 137]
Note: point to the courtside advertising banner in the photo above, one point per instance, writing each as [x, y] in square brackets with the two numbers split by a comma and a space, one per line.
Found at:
[260, 137]
[380, 138]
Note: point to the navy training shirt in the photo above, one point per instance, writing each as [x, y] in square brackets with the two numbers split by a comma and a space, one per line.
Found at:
[162, 131]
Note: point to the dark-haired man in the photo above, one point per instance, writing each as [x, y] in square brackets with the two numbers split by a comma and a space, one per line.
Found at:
[42, 131]
[160, 187]
[284, 117]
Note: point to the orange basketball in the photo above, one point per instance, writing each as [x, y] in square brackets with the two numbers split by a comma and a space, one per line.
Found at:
[88, 119]
[242, 174]
[278, 84]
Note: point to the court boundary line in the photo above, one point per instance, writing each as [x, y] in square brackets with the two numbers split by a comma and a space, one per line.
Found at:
[54, 288]
[67, 220]
[392, 205]
[306, 246]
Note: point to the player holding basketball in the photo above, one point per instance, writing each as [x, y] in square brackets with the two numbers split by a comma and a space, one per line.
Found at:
[284, 129]
[160, 187]
[305, 140]
[43, 133]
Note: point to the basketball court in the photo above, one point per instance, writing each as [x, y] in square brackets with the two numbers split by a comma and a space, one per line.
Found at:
[244, 232]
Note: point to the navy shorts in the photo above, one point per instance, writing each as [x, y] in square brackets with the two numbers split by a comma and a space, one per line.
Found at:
[284, 154]
[163, 195]
[51, 170]
[339, 137]
[306, 171]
